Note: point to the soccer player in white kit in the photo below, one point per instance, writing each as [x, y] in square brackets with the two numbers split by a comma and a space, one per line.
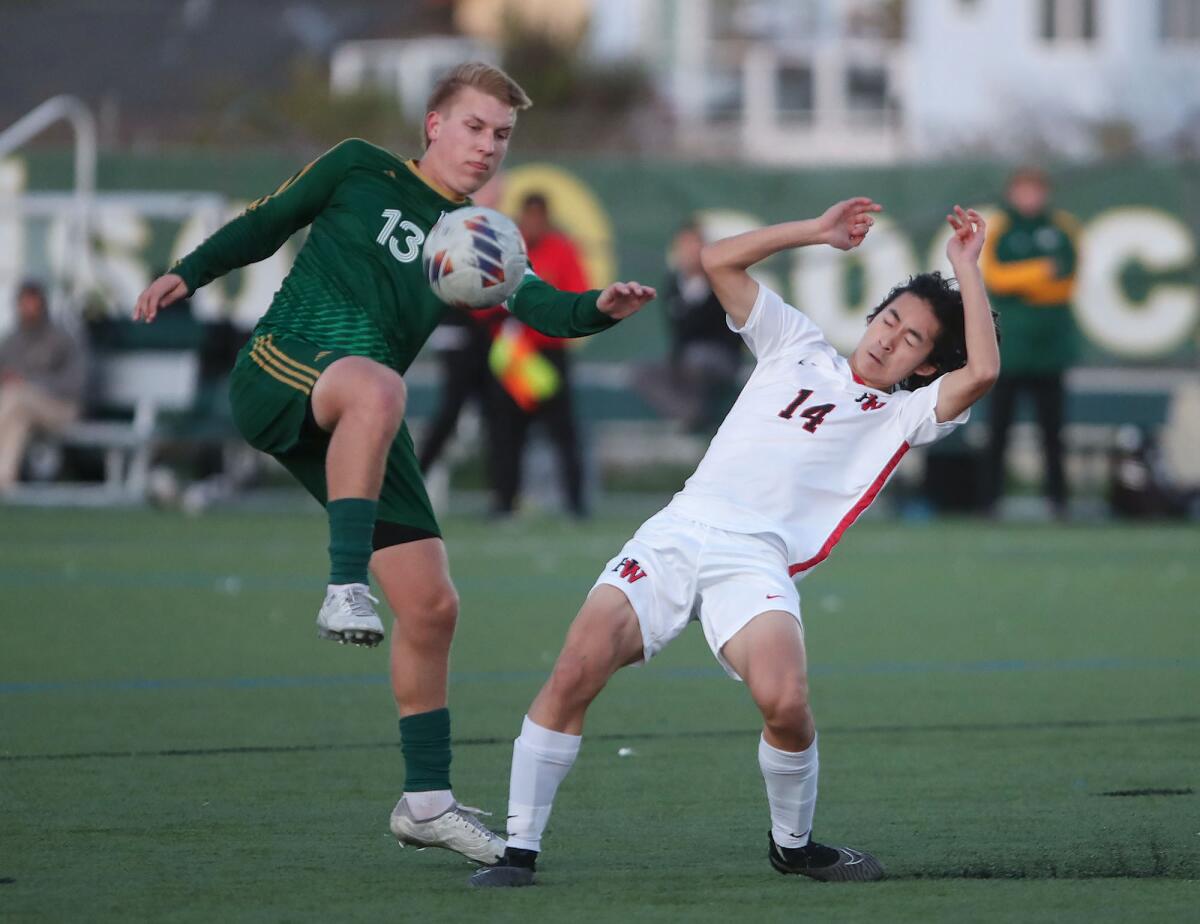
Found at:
[809, 443]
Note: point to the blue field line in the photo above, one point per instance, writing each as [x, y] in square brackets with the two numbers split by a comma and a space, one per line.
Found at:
[671, 673]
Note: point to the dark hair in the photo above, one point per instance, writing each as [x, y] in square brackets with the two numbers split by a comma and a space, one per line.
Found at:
[950, 345]
[1028, 173]
[34, 288]
[535, 200]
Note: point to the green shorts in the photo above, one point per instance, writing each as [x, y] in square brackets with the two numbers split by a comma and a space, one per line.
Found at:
[269, 394]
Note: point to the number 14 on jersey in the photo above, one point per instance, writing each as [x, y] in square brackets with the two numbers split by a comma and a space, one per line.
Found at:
[813, 415]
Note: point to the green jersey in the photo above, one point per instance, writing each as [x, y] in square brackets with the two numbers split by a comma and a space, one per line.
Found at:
[357, 284]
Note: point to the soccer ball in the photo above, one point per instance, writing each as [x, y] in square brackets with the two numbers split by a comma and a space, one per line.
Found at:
[474, 258]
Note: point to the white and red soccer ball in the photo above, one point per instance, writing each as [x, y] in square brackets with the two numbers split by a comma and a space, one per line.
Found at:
[474, 258]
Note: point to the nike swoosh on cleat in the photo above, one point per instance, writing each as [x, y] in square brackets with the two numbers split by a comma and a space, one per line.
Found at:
[853, 857]
[774, 596]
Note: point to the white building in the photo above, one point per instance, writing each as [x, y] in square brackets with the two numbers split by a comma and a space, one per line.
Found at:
[1056, 74]
[869, 81]
[876, 81]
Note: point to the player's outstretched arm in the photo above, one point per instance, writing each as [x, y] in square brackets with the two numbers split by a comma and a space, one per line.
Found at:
[257, 232]
[963, 387]
[844, 225]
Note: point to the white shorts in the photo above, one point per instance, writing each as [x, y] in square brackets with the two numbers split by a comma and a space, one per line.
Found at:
[675, 570]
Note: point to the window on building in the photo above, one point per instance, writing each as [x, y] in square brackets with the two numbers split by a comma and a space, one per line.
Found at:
[1068, 20]
[794, 90]
[1179, 20]
[724, 94]
[866, 88]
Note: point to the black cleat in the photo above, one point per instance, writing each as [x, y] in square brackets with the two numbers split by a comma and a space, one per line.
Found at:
[828, 864]
[514, 870]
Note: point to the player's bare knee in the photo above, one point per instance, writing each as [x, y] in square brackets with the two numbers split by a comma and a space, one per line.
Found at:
[786, 708]
[439, 616]
[382, 398]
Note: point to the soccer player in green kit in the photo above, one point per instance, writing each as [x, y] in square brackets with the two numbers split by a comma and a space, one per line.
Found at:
[319, 386]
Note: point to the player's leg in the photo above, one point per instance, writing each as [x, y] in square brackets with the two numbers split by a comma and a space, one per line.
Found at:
[411, 569]
[604, 637]
[360, 404]
[415, 580]
[768, 653]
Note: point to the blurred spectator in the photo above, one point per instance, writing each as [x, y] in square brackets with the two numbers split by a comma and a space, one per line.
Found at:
[533, 370]
[696, 385]
[1139, 486]
[1029, 266]
[41, 380]
[461, 342]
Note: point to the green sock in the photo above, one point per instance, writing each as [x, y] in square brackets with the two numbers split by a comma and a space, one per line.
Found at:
[351, 532]
[425, 741]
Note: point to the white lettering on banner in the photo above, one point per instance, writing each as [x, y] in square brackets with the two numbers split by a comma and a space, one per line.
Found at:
[1169, 313]
[1137, 326]
[258, 282]
[120, 234]
[718, 223]
[12, 240]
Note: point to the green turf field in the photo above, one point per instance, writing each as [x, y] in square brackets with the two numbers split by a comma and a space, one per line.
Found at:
[178, 746]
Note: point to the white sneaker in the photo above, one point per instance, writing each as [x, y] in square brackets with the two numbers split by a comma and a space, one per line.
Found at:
[348, 616]
[458, 829]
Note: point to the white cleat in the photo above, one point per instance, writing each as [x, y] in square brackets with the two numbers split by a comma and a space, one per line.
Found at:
[458, 829]
[347, 616]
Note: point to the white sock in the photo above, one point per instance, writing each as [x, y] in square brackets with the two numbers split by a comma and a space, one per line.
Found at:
[791, 779]
[426, 805]
[541, 760]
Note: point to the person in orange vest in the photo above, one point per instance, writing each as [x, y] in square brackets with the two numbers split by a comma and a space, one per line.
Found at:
[1029, 266]
[533, 371]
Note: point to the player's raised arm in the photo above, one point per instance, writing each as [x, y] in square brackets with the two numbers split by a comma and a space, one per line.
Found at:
[963, 387]
[843, 225]
[255, 234]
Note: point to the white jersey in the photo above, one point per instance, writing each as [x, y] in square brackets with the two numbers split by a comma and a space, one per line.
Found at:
[806, 447]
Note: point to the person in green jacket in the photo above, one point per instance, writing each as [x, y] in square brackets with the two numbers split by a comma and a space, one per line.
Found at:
[1029, 265]
[320, 387]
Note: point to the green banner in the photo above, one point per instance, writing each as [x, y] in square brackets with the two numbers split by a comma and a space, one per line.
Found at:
[1137, 302]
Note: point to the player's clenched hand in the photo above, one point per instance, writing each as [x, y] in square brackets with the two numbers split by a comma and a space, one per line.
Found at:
[622, 299]
[162, 292]
[846, 223]
[969, 233]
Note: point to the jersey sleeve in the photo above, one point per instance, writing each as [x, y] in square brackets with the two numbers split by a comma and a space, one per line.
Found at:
[918, 416]
[266, 223]
[774, 327]
[557, 313]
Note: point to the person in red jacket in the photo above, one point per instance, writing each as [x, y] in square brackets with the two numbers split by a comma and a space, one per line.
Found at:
[533, 370]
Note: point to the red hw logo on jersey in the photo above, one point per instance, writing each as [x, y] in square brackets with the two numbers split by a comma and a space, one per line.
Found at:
[628, 569]
[869, 402]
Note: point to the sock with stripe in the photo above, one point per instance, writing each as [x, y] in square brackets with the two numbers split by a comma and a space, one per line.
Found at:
[541, 760]
[791, 779]
[351, 530]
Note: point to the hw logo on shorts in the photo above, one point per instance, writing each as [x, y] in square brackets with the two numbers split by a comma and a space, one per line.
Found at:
[628, 569]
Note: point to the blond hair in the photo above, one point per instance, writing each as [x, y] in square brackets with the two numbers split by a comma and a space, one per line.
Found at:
[483, 77]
